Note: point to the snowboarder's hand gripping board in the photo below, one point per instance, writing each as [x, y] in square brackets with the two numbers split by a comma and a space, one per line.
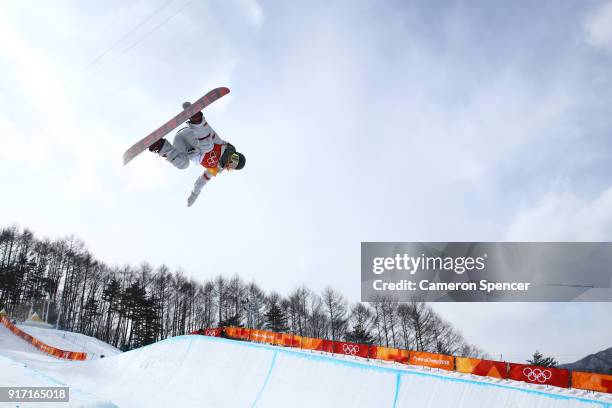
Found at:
[173, 123]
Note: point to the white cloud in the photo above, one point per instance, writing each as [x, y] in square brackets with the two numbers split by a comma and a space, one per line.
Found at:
[77, 125]
[564, 216]
[522, 328]
[254, 11]
[32, 89]
[598, 27]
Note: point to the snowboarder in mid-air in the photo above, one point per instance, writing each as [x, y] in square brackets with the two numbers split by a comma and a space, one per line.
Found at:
[199, 143]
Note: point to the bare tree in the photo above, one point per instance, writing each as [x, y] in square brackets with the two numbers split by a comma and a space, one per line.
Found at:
[298, 310]
[335, 305]
[131, 306]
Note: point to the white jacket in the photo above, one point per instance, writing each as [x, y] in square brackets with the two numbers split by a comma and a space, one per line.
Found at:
[191, 144]
[197, 140]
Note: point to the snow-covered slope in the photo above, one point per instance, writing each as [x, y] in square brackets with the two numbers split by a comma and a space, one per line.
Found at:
[16, 348]
[17, 357]
[199, 371]
[69, 341]
[190, 371]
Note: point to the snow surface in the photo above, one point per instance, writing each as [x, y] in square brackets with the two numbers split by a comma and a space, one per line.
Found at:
[200, 371]
[16, 360]
[69, 341]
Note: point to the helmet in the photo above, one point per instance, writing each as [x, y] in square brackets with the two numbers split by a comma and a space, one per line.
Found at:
[231, 159]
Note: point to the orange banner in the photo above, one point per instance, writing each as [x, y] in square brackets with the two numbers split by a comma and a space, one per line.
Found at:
[278, 338]
[239, 333]
[263, 336]
[310, 343]
[68, 355]
[592, 381]
[441, 361]
[487, 368]
[389, 354]
[296, 341]
[287, 340]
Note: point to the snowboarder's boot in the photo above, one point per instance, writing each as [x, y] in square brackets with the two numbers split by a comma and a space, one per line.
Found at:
[157, 146]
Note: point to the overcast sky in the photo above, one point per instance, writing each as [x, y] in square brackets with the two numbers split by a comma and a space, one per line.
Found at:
[360, 121]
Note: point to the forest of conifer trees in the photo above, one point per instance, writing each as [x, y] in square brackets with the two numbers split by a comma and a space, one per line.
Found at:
[132, 306]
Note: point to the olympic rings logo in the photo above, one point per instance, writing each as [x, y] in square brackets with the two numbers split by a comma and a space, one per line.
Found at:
[537, 374]
[212, 159]
[211, 332]
[351, 349]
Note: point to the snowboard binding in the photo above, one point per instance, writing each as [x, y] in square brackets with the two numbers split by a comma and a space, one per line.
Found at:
[157, 146]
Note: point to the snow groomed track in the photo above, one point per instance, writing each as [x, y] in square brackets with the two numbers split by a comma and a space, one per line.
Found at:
[202, 371]
[66, 340]
[22, 365]
[213, 372]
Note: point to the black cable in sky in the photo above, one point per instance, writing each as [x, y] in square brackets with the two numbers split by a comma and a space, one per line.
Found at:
[124, 37]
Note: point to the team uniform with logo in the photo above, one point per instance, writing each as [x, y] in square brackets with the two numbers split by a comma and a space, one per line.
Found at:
[200, 144]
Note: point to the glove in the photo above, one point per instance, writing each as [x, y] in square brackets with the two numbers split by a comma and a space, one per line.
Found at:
[197, 188]
[191, 199]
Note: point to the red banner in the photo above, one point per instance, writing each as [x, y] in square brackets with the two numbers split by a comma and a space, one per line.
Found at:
[351, 349]
[327, 346]
[211, 332]
[433, 360]
[68, 355]
[592, 381]
[558, 377]
[487, 368]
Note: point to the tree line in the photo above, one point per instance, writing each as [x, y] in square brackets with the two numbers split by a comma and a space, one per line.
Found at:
[132, 306]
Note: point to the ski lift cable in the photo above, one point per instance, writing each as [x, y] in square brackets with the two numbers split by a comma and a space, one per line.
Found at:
[76, 83]
[77, 79]
[161, 61]
[157, 27]
[124, 37]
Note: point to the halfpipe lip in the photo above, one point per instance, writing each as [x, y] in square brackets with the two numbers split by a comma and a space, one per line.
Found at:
[396, 370]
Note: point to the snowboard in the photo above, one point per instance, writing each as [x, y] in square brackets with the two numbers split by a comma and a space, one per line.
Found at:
[173, 123]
